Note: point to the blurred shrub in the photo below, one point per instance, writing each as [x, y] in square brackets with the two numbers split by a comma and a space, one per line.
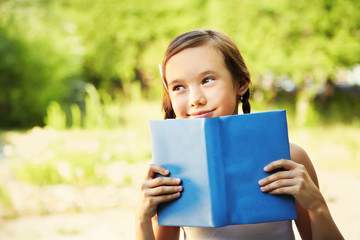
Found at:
[33, 67]
[55, 117]
[100, 111]
[337, 103]
[28, 80]
[75, 156]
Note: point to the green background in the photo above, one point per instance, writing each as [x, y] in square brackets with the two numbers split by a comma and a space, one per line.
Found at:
[51, 50]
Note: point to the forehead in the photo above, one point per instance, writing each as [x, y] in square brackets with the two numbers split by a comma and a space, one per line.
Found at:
[192, 61]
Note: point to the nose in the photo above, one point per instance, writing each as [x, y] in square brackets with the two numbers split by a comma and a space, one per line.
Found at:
[197, 98]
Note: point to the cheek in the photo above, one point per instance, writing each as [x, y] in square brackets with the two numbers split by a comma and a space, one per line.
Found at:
[179, 105]
[228, 102]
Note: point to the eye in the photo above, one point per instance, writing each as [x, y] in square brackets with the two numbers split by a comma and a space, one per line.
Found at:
[207, 80]
[177, 88]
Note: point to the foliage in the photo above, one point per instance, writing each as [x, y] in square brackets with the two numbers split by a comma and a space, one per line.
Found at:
[82, 157]
[343, 105]
[4, 197]
[47, 47]
[55, 118]
[6, 204]
[85, 158]
[33, 66]
[100, 111]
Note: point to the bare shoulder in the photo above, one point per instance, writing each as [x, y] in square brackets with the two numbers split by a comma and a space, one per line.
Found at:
[299, 155]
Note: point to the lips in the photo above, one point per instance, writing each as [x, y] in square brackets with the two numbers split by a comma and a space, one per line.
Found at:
[201, 114]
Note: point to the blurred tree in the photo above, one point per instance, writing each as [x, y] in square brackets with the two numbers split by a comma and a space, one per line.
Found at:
[124, 40]
[302, 40]
[33, 69]
[49, 45]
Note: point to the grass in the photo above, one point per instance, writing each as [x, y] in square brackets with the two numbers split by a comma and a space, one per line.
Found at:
[68, 231]
[78, 157]
[44, 156]
[4, 197]
[6, 204]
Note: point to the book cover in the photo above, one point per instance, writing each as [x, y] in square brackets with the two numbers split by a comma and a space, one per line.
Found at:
[220, 161]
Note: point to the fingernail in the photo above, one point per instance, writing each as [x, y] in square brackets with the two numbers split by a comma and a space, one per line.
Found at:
[263, 189]
[166, 172]
[266, 168]
[261, 182]
[179, 188]
[178, 180]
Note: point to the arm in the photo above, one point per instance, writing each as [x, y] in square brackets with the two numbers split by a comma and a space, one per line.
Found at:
[314, 218]
[318, 215]
[153, 192]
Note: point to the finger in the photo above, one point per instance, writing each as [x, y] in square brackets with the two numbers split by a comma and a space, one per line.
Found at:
[155, 168]
[163, 198]
[284, 190]
[163, 190]
[161, 181]
[282, 163]
[276, 176]
[283, 183]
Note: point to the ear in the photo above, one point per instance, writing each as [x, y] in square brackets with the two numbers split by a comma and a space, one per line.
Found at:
[241, 89]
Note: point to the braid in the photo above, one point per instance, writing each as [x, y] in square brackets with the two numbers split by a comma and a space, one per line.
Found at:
[169, 114]
[168, 111]
[167, 106]
[245, 102]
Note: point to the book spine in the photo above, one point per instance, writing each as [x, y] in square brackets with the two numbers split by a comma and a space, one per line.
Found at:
[212, 129]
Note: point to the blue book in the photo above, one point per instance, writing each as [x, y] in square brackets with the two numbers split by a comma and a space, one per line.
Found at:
[220, 161]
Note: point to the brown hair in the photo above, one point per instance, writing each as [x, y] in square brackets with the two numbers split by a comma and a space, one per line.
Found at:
[232, 57]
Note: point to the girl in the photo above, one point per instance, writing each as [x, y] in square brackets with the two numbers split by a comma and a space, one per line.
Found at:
[205, 76]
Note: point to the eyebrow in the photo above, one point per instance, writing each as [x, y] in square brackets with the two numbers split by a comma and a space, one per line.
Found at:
[208, 72]
[175, 82]
[200, 75]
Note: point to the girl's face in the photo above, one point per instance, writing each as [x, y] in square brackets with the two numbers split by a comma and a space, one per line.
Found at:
[200, 85]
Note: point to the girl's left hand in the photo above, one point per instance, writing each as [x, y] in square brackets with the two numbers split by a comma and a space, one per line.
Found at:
[294, 180]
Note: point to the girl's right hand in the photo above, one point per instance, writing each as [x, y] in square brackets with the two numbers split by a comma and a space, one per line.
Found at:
[156, 190]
